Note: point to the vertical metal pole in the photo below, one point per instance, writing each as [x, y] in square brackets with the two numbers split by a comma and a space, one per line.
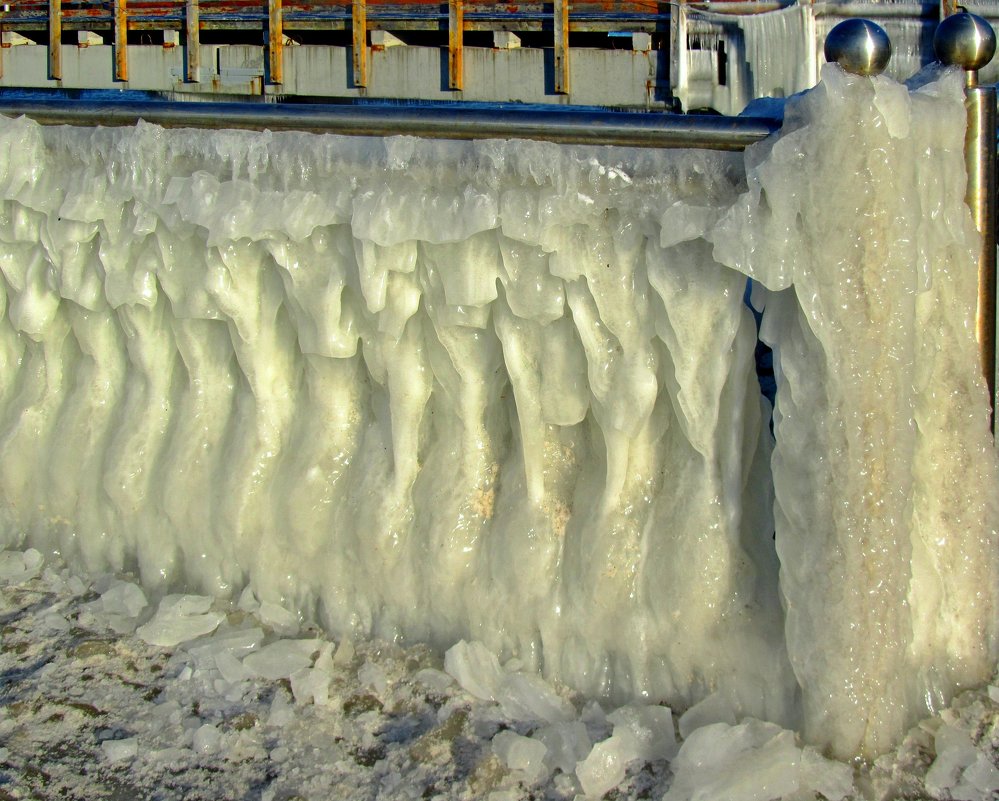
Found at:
[561, 25]
[192, 26]
[359, 22]
[120, 40]
[275, 41]
[980, 155]
[456, 43]
[55, 40]
[968, 41]
[678, 52]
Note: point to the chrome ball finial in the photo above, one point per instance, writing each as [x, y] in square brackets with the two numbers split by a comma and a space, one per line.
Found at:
[859, 46]
[965, 40]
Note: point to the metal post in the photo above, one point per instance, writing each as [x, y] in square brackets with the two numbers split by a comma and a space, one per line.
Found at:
[456, 43]
[192, 26]
[55, 40]
[275, 42]
[359, 24]
[561, 25]
[120, 40]
[967, 41]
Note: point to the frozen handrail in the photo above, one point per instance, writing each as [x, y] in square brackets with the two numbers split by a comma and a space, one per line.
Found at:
[565, 127]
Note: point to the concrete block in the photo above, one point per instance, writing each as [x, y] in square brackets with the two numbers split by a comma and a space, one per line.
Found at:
[14, 39]
[641, 42]
[385, 39]
[505, 40]
[87, 38]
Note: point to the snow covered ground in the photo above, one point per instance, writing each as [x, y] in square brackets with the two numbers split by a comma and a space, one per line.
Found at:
[104, 695]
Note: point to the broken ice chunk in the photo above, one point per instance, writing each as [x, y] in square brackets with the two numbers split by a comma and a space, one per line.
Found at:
[123, 599]
[236, 642]
[754, 761]
[960, 771]
[716, 708]
[17, 567]
[650, 729]
[604, 767]
[206, 739]
[521, 753]
[475, 668]
[523, 696]
[120, 750]
[282, 658]
[567, 744]
[311, 685]
[178, 619]
[278, 619]
[436, 680]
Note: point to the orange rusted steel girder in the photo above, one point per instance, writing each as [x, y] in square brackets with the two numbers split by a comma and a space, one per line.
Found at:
[275, 42]
[55, 40]
[456, 44]
[120, 40]
[359, 28]
[561, 25]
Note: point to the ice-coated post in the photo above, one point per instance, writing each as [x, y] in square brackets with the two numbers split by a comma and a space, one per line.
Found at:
[859, 46]
[967, 41]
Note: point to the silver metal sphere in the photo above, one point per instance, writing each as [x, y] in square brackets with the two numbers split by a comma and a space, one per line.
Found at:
[965, 40]
[859, 46]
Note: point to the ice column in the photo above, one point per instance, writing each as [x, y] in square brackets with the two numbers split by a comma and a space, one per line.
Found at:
[884, 470]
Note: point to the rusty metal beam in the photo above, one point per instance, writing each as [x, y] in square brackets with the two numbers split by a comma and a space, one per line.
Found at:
[275, 41]
[120, 10]
[359, 24]
[561, 26]
[192, 27]
[456, 44]
[55, 40]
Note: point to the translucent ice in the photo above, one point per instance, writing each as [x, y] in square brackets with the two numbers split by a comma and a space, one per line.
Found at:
[502, 393]
[180, 618]
[280, 659]
[885, 473]
[521, 753]
[753, 761]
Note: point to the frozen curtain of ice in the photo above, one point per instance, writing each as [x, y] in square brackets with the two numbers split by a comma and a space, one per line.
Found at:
[505, 391]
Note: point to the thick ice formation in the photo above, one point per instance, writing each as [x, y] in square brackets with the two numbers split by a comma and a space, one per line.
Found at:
[504, 392]
[492, 391]
[885, 475]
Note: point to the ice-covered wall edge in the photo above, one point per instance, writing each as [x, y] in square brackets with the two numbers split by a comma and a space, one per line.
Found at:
[884, 468]
[431, 390]
[505, 391]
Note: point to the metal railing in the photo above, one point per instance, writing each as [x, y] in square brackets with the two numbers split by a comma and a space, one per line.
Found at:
[275, 18]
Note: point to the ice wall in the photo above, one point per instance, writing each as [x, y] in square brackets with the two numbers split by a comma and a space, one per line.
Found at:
[885, 474]
[504, 391]
[424, 390]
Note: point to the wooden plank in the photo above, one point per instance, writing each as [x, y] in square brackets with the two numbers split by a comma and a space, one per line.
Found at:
[192, 27]
[561, 25]
[359, 23]
[456, 44]
[275, 41]
[55, 40]
[120, 40]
